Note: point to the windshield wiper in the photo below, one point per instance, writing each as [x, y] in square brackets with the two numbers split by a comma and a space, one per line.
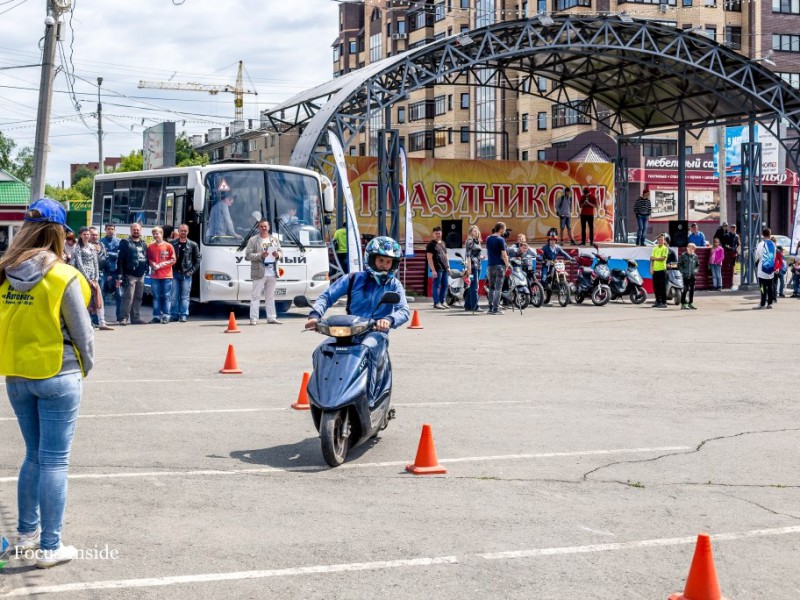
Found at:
[290, 234]
[246, 238]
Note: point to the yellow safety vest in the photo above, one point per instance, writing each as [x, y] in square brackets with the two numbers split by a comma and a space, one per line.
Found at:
[31, 342]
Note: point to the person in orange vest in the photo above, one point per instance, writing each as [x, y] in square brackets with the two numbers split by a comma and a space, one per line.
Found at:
[46, 349]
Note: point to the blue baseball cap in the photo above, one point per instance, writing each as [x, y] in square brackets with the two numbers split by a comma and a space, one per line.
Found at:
[49, 211]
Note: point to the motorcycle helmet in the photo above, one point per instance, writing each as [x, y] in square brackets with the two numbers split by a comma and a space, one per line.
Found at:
[382, 246]
[666, 238]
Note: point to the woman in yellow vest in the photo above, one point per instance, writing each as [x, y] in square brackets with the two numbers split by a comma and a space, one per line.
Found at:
[46, 348]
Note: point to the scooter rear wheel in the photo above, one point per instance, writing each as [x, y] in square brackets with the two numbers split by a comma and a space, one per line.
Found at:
[333, 439]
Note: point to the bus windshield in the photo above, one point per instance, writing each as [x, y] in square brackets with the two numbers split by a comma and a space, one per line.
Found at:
[236, 199]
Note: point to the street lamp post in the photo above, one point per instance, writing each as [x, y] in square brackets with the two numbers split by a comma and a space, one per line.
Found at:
[101, 160]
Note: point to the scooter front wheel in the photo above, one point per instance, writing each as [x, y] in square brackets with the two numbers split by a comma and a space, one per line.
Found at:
[601, 295]
[537, 294]
[563, 295]
[334, 437]
[638, 296]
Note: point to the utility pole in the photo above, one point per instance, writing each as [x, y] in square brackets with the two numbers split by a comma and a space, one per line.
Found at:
[40, 147]
[100, 164]
[723, 177]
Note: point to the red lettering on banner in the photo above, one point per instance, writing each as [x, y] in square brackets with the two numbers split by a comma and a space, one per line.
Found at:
[443, 195]
[367, 189]
[467, 203]
[419, 201]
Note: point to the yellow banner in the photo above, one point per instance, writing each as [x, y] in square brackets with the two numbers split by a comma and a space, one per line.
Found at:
[482, 192]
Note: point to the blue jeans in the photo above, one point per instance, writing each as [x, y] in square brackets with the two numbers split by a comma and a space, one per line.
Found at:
[110, 289]
[796, 282]
[716, 276]
[641, 228]
[181, 288]
[47, 410]
[440, 287]
[471, 297]
[162, 295]
[494, 280]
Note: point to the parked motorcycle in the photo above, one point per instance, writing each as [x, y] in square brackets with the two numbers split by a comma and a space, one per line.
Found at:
[674, 284]
[622, 283]
[516, 291]
[347, 406]
[557, 282]
[589, 284]
[534, 285]
[457, 284]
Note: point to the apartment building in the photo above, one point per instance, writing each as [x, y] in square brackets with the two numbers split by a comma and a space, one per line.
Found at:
[482, 122]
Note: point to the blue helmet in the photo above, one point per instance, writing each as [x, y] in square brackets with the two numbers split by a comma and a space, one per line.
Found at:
[382, 246]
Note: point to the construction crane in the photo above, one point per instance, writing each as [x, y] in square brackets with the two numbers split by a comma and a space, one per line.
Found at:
[238, 90]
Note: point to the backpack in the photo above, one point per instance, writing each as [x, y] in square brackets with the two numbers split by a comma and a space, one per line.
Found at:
[768, 258]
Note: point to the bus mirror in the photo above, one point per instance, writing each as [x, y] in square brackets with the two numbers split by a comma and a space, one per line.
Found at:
[328, 200]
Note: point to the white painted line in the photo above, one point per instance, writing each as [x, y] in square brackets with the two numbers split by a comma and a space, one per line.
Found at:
[212, 411]
[380, 565]
[682, 541]
[234, 576]
[311, 469]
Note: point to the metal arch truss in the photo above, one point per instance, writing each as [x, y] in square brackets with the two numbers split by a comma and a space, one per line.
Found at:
[639, 72]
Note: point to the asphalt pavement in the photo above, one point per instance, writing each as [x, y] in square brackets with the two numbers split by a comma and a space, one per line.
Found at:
[586, 448]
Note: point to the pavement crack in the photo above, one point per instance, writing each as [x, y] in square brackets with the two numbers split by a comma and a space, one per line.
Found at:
[696, 449]
[761, 506]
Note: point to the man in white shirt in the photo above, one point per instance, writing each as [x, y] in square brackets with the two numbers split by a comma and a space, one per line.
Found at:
[263, 251]
[765, 257]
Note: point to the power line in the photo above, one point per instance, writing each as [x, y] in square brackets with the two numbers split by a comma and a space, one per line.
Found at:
[13, 7]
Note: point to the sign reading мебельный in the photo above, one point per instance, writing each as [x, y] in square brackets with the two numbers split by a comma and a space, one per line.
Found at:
[482, 192]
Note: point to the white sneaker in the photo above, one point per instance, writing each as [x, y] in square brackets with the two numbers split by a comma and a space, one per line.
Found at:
[51, 558]
[28, 541]
[274, 322]
[253, 322]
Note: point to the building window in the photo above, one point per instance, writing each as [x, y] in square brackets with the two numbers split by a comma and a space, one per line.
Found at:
[421, 110]
[401, 114]
[484, 13]
[336, 53]
[541, 84]
[485, 106]
[465, 135]
[659, 148]
[450, 135]
[540, 155]
[524, 155]
[465, 100]
[439, 137]
[438, 11]
[419, 20]
[419, 140]
[783, 42]
[668, 2]
[733, 5]
[362, 149]
[450, 102]
[570, 113]
[709, 149]
[464, 3]
[523, 124]
[353, 46]
[687, 2]
[401, 27]
[709, 31]
[786, 6]
[566, 4]
[439, 105]
[375, 125]
[541, 121]
[375, 47]
[793, 79]
[733, 37]
[352, 151]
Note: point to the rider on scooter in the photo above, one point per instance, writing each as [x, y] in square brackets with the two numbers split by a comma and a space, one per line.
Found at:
[364, 291]
[551, 251]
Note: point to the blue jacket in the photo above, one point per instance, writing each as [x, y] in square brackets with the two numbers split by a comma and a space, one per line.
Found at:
[112, 252]
[553, 254]
[364, 297]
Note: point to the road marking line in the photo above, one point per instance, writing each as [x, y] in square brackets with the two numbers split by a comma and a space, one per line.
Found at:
[382, 565]
[682, 541]
[314, 468]
[267, 409]
[238, 575]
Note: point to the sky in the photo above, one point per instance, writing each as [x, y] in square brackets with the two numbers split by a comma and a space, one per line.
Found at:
[285, 46]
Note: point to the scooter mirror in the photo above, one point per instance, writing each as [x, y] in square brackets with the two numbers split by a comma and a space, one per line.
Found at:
[301, 302]
[390, 298]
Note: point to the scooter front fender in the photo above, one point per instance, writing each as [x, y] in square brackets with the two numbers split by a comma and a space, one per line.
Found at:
[340, 376]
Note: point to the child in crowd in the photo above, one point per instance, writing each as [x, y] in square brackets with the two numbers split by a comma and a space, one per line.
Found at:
[779, 281]
[715, 259]
[689, 265]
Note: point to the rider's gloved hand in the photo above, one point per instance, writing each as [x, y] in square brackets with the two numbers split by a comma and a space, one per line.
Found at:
[311, 323]
[508, 271]
[381, 325]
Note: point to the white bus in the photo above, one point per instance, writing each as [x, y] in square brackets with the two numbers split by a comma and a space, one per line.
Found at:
[295, 201]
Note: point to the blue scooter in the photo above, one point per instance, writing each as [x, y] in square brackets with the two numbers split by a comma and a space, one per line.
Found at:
[350, 403]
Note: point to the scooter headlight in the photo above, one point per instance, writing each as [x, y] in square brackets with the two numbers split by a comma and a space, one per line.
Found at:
[343, 331]
[323, 328]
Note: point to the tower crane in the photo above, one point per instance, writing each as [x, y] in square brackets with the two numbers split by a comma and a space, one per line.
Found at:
[238, 90]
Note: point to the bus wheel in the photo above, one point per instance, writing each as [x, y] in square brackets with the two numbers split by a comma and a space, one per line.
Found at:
[283, 306]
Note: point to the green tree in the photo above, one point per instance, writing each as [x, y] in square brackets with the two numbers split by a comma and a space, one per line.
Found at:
[85, 186]
[81, 173]
[133, 162]
[65, 195]
[19, 165]
[185, 155]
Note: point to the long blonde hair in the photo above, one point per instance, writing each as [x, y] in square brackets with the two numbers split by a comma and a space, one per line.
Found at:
[29, 241]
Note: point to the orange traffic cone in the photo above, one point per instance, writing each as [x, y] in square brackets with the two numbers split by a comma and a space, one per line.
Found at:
[415, 324]
[702, 581]
[231, 368]
[232, 326]
[302, 396]
[426, 462]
